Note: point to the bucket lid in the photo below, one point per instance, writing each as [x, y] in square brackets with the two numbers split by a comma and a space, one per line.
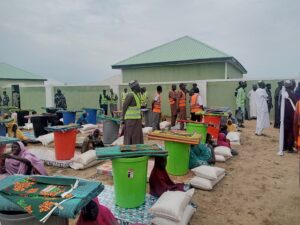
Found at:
[131, 159]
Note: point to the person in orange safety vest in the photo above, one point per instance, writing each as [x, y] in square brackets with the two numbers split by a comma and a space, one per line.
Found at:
[156, 109]
[181, 96]
[196, 105]
[173, 104]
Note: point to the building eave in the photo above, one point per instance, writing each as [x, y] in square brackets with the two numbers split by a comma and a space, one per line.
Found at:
[23, 79]
[230, 60]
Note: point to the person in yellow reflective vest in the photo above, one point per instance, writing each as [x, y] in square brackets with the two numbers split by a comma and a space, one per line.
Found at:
[156, 109]
[103, 101]
[113, 101]
[144, 97]
[123, 96]
[132, 115]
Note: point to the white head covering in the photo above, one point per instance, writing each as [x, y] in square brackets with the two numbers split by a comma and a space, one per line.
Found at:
[133, 83]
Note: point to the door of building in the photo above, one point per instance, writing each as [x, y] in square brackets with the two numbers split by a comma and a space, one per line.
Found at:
[15, 95]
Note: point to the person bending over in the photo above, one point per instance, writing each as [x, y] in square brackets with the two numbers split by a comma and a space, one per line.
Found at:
[92, 141]
[95, 214]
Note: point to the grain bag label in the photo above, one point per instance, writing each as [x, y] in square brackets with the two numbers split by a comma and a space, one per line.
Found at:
[130, 173]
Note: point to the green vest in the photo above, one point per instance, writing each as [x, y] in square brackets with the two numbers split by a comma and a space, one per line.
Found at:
[134, 112]
[144, 99]
[123, 97]
[113, 99]
[104, 100]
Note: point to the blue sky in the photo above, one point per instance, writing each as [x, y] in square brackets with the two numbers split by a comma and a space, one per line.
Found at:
[77, 41]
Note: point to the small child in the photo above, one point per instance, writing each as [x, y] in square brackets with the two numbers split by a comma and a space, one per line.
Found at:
[231, 127]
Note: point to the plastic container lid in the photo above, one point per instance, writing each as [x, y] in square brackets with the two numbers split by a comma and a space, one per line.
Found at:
[62, 128]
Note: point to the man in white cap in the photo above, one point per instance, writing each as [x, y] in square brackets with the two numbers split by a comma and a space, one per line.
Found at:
[132, 116]
[261, 98]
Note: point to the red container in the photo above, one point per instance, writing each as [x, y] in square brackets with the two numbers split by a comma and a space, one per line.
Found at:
[2, 149]
[214, 122]
[65, 144]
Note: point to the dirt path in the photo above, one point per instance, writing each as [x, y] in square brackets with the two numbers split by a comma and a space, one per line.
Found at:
[260, 187]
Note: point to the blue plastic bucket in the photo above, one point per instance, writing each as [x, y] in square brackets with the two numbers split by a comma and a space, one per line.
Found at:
[91, 115]
[2, 129]
[69, 117]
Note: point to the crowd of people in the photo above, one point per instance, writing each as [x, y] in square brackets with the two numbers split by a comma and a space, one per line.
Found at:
[260, 104]
[21, 161]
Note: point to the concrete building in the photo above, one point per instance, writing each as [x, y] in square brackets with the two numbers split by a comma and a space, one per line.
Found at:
[10, 75]
[184, 59]
[14, 81]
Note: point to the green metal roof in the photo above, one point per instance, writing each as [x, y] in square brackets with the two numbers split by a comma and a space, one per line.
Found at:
[13, 73]
[179, 51]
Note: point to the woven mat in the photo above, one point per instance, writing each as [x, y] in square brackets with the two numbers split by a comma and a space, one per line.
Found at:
[7, 140]
[48, 156]
[127, 216]
[29, 134]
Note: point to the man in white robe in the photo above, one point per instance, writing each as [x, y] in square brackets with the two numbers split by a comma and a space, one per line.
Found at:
[252, 102]
[261, 98]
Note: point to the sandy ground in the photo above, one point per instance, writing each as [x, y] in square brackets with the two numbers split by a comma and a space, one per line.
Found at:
[260, 187]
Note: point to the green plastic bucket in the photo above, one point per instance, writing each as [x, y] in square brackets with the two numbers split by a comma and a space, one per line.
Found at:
[178, 158]
[130, 178]
[199, 128]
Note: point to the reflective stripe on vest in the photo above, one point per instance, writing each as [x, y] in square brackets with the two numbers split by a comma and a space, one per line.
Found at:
[144, 99]
[194, 103]
[182, 101]
[157, 105]
[134, 112]
[104, 100]
[112, 99]
[123, 97]
[171, 100]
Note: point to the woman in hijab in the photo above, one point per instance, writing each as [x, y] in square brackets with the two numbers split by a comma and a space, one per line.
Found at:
[160, 181]
[21, 161]
[222, 141]
[200, 155]
[95, 214]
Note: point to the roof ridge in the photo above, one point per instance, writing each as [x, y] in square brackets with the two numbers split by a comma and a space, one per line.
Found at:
[209, 46]
[151, 49]
[168, 43]
[39, 77]
[23, 70]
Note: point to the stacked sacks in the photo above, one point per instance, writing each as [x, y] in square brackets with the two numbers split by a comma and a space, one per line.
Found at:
[88, 128]
[165, 125]
[46, 139]
[119, 141]
[207, 177]
[173, 208]
[147, 130]
[85, 160]
[28, 126]
[234, 138]
[222, 153]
